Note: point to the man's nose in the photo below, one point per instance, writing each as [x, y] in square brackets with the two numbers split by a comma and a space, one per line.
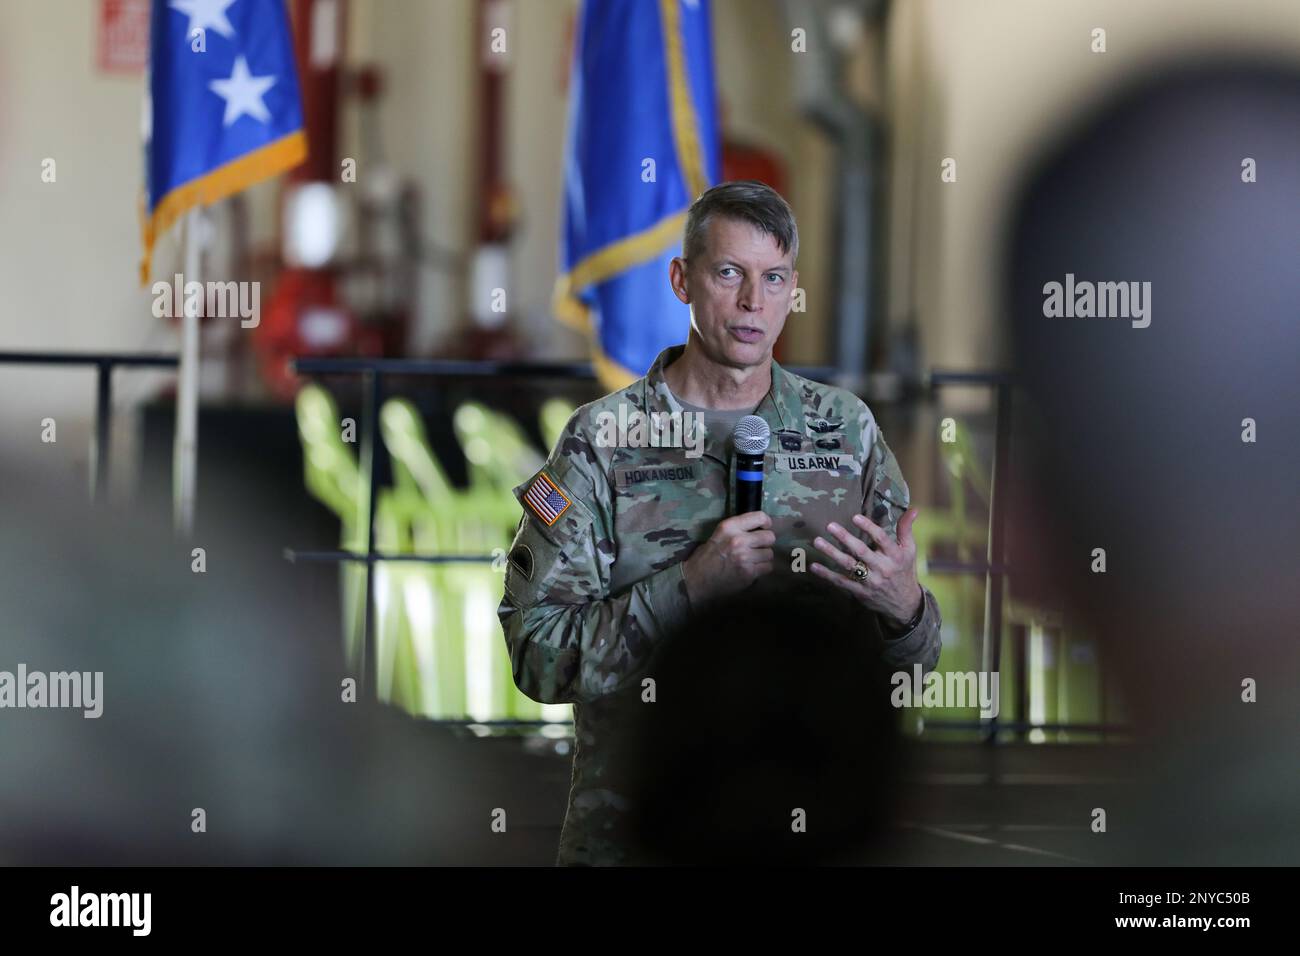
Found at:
[750, 296]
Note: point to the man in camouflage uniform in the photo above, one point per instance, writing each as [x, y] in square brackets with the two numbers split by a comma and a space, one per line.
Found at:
[623, 534]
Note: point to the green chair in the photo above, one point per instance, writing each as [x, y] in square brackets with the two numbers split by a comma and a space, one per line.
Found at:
[333, 476]
[438, 643]
[452, 606]
[498, 458]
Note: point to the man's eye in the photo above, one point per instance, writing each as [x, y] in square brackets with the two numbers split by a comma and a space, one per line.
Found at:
[725, 269]
[776, 275]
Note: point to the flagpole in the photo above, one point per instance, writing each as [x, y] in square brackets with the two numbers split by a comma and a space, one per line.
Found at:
[186, 448]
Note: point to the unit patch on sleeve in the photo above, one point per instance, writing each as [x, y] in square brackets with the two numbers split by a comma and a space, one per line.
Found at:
[522, 558]
[545, 500]
[790, 440]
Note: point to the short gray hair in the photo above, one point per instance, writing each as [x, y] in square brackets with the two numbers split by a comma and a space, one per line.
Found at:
[747, 200]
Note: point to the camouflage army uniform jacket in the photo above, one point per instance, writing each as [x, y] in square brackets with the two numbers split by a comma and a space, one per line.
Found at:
[594, 576]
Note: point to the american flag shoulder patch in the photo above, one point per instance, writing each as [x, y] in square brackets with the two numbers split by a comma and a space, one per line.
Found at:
[545, 499]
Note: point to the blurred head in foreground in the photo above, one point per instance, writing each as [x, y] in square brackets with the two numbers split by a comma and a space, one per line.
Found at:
[221, 735]
[771, 739]
[1166, 444]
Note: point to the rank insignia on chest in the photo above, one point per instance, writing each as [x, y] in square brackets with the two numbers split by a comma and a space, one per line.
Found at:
[790, 441]
[545, 500]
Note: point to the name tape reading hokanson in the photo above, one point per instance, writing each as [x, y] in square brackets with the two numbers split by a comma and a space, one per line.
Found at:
[545, 499]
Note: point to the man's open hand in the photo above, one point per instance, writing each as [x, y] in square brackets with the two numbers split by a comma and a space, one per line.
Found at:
[890, 587]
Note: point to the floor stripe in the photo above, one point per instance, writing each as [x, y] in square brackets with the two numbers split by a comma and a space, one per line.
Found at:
[1011, 780]
[970, 838]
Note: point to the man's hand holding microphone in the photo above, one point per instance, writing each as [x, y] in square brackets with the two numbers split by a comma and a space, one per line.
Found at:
[737, 553]
[740, 548]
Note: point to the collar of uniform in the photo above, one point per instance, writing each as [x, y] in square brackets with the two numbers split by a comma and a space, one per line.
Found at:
[781, 407]
[786, 399]
[656, 396]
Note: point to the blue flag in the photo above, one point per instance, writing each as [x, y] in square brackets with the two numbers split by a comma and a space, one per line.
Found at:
[222, 109]
[642, 144]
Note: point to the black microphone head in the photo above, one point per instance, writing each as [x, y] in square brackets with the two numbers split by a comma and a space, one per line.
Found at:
[751, 435]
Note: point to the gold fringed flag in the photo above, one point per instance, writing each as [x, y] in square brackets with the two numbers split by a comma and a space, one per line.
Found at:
[222, 109]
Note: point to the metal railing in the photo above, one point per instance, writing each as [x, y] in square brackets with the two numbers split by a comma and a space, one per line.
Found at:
[994, 569]
[374, 371]
[104, 363]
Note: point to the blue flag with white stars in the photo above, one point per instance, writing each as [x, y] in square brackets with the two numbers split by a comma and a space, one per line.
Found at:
[222, 107]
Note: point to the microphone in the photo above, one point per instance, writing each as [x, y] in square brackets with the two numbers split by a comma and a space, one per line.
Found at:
[749, 440]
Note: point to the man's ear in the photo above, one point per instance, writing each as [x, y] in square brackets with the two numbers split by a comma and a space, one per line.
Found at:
[677, 278]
